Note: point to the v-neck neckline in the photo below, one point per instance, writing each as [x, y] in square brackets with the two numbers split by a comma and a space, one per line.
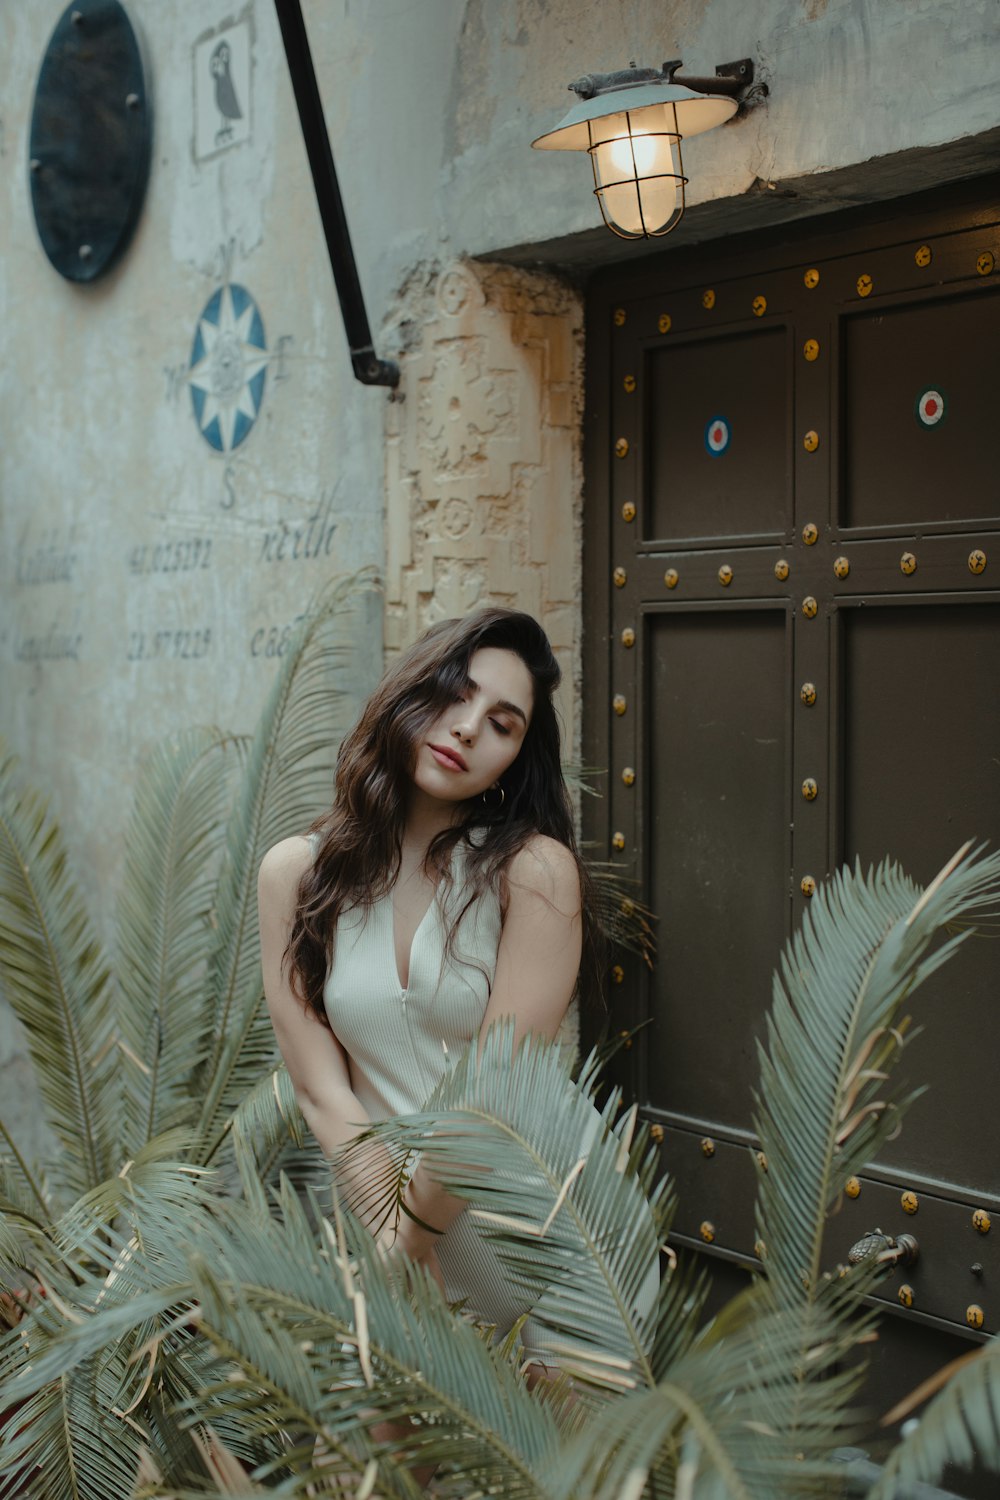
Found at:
[404, 989]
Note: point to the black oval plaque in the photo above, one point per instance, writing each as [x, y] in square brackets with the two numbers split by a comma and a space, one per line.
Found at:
[90, 139]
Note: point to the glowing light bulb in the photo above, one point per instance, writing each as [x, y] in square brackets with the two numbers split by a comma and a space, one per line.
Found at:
[637, 171]
[636, 155]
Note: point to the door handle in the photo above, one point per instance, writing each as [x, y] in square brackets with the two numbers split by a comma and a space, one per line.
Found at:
[901, 1250]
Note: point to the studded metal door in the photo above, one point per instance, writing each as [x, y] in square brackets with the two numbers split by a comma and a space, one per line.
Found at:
[792, 658]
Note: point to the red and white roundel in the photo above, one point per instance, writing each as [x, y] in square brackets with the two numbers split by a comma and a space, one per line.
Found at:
[716, 436]
[930, 407]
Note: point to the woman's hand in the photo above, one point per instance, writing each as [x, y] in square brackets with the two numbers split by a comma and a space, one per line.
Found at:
[415, 1245]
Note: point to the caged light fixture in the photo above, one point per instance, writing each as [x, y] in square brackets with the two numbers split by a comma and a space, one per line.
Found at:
[631, 123]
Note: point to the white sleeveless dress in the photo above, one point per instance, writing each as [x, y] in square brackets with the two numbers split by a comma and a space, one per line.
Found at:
[399, 1042]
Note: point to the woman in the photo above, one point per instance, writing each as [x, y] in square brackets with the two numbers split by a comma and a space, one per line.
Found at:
[441, 892]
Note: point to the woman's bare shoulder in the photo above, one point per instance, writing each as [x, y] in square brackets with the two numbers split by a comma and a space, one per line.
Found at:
[545, 866]
[284, 864]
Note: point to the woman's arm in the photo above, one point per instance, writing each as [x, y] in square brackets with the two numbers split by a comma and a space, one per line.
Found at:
[316, 1062]
[538, 960]
[537, 966]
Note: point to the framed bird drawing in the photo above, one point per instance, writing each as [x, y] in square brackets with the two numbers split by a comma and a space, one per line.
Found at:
[221, 61]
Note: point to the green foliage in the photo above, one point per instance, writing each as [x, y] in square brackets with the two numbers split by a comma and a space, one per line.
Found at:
[193, 1318]
[142, 1055]
[57, 979]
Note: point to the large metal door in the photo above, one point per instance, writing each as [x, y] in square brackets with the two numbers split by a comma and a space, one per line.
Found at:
[792, 654]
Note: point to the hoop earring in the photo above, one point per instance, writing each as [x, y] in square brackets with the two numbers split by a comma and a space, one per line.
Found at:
[494, 806]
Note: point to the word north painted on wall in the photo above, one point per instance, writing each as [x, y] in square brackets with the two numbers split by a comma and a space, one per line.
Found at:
[301, 541]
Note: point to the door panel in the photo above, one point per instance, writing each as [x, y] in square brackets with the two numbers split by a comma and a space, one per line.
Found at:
[791, 649]
[920, 406]
[717, 770]
[922, 775]
[712, 408]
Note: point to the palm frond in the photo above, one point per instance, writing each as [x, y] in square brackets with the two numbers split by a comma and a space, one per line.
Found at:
[165, 929]
[25, 1239]
[20, 1182]
[57, 980]
[198, 1466]
[627, 923]
[331, 1345]
[15, 1242]
[566, 1198]
[960, 1426]
[622, 917]
[283, 1311]
[711, 1416]
[684, 1286]
[157, 1188]
[315, 697]
[826, 1101]
[266, 1122]
[580, 779]
[115, 1338]
[66, 1326]
[64, 1437]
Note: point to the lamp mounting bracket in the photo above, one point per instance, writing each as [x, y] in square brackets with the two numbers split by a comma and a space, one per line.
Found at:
[731, 79]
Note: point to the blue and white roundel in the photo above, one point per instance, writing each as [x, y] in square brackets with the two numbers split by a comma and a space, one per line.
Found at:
[716, 436]
[930, 407]
[228, 367]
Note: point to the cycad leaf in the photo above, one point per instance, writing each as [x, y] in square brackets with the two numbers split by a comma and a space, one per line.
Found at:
[960, 1426]
[683, 1289]
[825, 1103]
[25, 1229]
[710, 1415]
[281, 1308]
[623, 918]
[266, 1122]
[165, 924]
[157, 1188]
[286, 1310]
[56, 977]
[557, 1190]
[22, 1185]
[64, 1437]
[316, 695]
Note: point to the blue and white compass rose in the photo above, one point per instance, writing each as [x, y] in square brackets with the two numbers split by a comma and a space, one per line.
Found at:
[228, 367]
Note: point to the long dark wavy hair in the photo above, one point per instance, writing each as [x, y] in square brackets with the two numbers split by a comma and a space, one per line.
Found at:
[359, 839]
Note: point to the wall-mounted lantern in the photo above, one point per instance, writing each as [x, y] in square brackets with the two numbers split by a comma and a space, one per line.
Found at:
[631, 123]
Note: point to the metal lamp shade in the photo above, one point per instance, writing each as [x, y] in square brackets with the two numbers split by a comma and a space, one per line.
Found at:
[633, 136]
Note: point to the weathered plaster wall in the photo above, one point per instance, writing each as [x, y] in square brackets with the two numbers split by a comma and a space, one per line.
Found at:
[149, 578]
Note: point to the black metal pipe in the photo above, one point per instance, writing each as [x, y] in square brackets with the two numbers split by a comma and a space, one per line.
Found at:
[368, 368]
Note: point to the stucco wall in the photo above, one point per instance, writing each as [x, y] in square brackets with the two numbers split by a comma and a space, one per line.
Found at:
[148, 579]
